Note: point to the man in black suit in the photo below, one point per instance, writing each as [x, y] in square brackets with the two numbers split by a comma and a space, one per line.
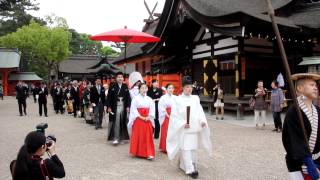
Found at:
[59, 98]
[22, 93]
[155, 93]
[97, 99]
[34, 89]
[75, 93]
[43, 94]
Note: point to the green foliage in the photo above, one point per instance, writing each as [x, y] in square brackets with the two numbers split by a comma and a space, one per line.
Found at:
[42, 47]
[13, 15]
[56, 21]
[108, 51]
[87, 46]
[82, 44]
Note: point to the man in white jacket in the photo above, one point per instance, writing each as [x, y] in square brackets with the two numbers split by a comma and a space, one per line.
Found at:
[184, 133]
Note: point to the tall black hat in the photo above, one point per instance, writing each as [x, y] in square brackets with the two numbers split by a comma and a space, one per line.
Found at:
[186, 80]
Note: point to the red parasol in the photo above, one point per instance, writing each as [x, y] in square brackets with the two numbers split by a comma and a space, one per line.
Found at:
[125, 35]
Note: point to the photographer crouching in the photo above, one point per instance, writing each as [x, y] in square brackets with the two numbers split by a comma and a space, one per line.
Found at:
[30, 165]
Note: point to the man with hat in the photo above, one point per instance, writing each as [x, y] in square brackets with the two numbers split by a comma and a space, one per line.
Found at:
[187, 126]
[43, 94]
[302, 157]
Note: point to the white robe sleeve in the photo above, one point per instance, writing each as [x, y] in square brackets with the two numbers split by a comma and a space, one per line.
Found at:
[162, 109]
[202, 116]
[133, 112]
[205, 132]
[152, 111]
[175, 131]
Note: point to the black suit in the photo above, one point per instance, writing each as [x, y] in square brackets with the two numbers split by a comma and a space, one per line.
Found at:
[75, 94]
[42, 100]
[155, 94]
[59, 100]
[22, 93]
[34, 93]
[98, 98]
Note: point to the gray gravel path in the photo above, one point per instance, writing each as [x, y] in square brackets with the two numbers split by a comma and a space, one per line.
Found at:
[239, 152]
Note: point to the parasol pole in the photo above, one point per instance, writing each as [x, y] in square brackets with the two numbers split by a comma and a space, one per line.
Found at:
[287, 69]
[125, 57]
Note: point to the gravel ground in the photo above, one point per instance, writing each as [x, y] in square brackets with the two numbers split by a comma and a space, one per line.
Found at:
[239, 152]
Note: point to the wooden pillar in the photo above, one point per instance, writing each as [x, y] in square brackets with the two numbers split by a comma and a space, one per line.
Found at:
[5, 84]
[210, 75]
[237, 74]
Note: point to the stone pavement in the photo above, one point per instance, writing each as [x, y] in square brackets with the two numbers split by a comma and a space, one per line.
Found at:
[240, 151]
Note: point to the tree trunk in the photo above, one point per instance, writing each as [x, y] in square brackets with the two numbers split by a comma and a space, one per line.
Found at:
[50, 64]
[56, 72]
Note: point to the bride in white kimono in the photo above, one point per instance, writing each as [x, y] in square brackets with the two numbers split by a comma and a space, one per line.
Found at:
[183, 136]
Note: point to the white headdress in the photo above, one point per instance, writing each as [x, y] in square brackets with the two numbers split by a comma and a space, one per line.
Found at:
[134, 77]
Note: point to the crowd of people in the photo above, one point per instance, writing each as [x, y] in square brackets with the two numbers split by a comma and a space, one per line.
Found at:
[137, 114]
[141, 114]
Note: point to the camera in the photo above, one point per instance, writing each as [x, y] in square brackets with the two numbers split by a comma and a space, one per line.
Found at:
[41, 127]
[50, 138]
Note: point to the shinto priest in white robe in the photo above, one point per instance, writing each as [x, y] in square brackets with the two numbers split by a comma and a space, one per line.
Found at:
[186, 140]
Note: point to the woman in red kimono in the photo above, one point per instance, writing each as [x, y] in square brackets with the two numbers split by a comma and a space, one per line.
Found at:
[141, 123]
[165, 103]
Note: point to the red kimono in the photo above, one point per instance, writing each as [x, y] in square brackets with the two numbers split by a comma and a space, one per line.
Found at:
[164, 130]
[141, 141]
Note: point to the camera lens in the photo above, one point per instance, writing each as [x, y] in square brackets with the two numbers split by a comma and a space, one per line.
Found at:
[49, 143]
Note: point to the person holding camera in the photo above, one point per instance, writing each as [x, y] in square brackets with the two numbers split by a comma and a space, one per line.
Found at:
[218, 100]
[31, 166]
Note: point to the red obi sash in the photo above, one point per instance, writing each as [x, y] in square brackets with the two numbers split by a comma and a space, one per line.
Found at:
[143, 112]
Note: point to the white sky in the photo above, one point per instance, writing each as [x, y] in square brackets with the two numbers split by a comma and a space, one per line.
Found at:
[98, 16]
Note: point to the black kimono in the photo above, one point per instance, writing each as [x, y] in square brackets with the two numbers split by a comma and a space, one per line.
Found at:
[155, 94]
[293, 138]
[115, 95]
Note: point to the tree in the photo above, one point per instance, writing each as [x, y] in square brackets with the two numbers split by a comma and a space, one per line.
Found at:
[82, 44]
[42, 47]
[87, 46]
[56, 21]
[13, 15]
[10, 5]
[74, 46]
[108, 51]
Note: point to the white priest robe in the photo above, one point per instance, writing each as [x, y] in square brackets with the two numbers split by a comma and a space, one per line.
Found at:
[186, 140]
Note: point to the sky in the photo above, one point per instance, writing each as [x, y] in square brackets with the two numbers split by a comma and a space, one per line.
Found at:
[98, 16]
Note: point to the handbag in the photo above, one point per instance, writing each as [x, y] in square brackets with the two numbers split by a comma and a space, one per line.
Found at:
[220, 95]
[252, 102]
